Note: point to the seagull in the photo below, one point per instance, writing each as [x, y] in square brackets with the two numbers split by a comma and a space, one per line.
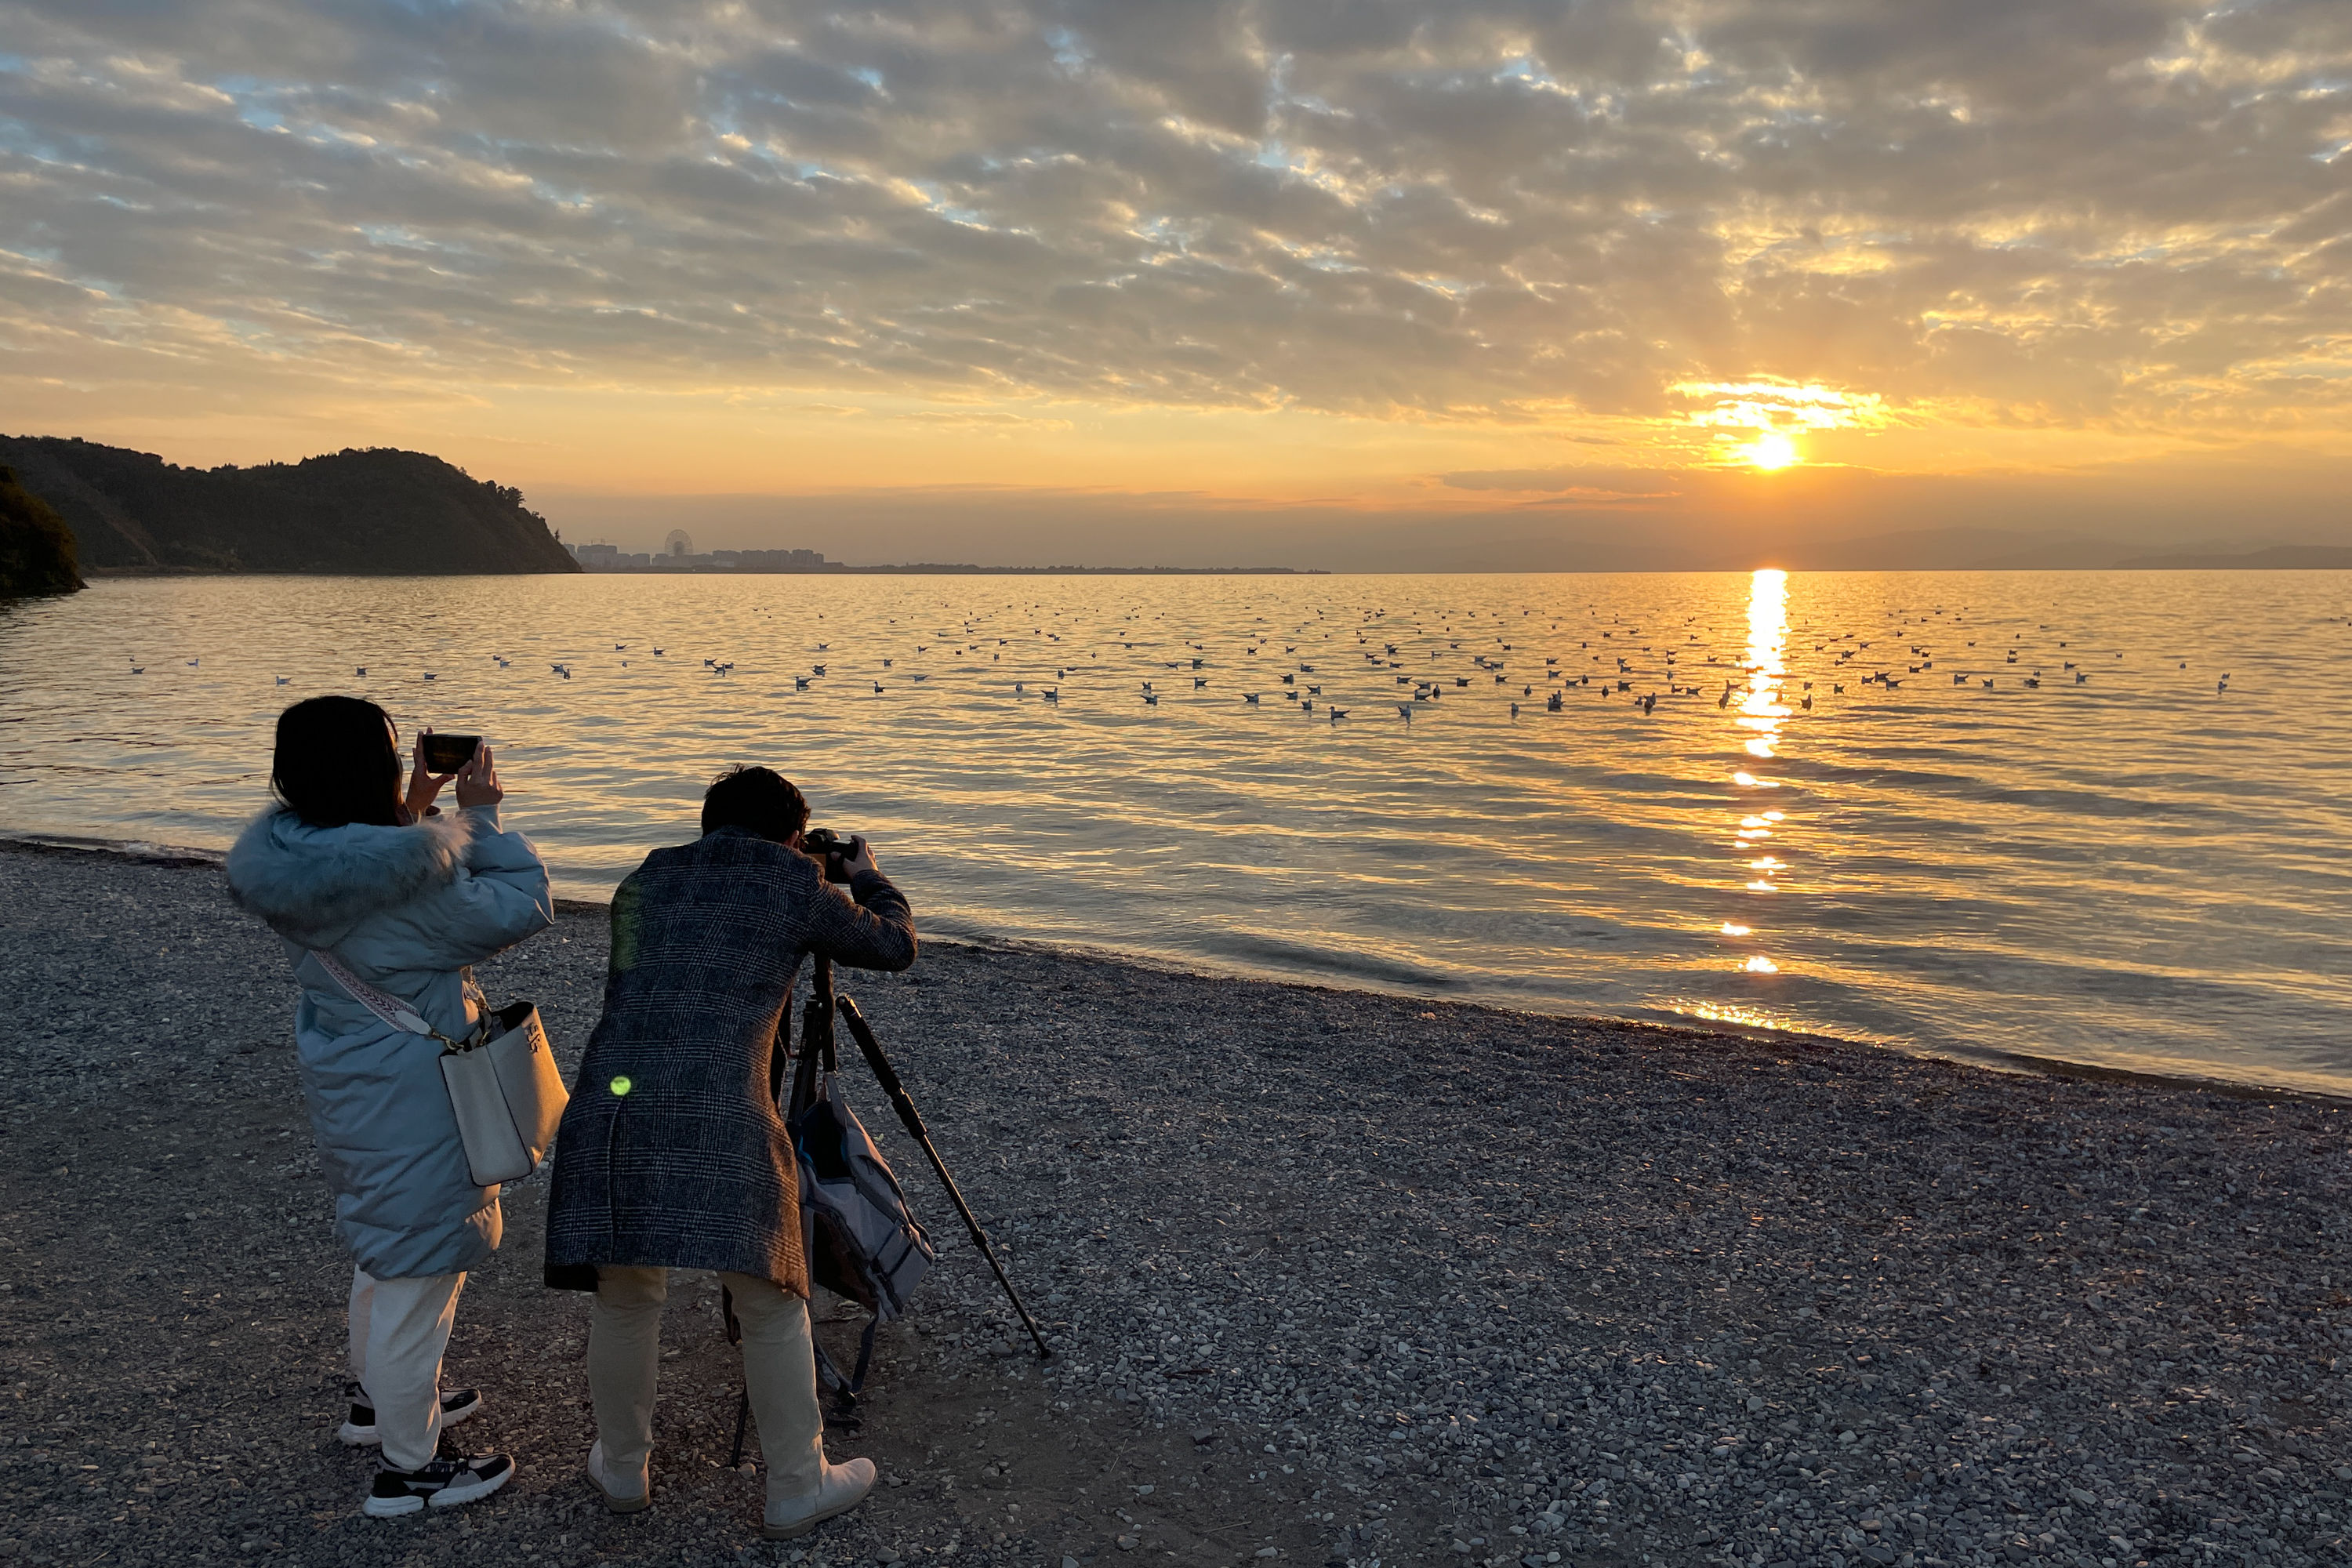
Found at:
[1250, 698]
[286, 679]
[800, 682]
[358, 670]
[1152, 698]
[1201, 680]
[502, 663]
[141, 669]
[1335, 714]
[194, 662]
[922, 678]
[877, 689]
[1052, 694]
[1405, 709]
[620, 648]
[657, 653]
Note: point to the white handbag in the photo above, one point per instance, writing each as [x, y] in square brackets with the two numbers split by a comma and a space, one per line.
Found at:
[503, 1085]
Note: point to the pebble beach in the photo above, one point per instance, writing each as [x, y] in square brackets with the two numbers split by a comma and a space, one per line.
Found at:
[1332, 1277]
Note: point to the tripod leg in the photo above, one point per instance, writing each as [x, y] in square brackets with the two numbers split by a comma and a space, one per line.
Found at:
[742, 1417]
[912, 1120]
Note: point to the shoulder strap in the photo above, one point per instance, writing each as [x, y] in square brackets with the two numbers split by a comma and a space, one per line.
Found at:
[390, 1009]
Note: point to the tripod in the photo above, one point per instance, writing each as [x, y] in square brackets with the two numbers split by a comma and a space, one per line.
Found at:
[817, 1043]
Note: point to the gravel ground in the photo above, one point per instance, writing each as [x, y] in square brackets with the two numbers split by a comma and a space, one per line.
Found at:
[1333, 1277]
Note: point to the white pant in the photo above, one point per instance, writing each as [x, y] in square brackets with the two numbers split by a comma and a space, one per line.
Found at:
[399, 1330]
[779, 1368]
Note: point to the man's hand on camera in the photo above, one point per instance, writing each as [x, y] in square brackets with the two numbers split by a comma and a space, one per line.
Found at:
[849, 867]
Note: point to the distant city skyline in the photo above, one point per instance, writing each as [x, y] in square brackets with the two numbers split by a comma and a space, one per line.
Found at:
[1689, 283]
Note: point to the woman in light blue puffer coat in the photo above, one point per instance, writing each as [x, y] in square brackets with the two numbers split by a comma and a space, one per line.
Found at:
[406, 897]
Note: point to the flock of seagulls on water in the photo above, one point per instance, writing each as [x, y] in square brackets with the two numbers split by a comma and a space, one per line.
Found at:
[1330, 665]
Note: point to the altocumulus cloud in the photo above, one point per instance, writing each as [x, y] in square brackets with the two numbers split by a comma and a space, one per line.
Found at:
[2122, 212]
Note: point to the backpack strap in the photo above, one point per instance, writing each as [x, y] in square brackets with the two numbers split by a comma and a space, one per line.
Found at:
[845, 1389]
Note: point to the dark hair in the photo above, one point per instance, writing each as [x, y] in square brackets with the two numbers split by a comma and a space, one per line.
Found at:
[760, 799]
[337, 764]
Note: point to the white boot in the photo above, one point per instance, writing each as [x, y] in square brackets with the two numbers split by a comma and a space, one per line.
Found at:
[843, 1489]
[618, 1499]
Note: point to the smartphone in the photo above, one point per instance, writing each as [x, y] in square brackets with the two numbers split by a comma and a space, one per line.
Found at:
[447, 753]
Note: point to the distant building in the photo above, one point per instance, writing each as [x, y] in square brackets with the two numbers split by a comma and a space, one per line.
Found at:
[678, 554]
[780, 560]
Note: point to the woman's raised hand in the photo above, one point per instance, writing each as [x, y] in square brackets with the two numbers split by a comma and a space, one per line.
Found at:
[478, 781]
[424, 787]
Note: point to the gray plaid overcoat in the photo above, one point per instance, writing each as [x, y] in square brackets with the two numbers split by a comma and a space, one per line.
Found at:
[671, 1152]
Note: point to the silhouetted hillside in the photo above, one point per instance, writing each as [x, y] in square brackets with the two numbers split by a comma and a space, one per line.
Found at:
[2277, 558]
[378, 510]
[36, 549]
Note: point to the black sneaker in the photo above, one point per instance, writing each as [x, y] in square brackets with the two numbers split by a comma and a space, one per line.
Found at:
[446, 1481]
[359, 1431]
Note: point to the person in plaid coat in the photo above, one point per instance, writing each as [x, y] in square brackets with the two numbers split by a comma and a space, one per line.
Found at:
[672, 1154]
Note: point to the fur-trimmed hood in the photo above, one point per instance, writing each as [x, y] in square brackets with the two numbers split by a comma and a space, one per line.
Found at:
[311, 884]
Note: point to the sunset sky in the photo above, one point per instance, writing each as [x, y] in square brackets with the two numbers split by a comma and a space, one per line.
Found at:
[1143, 280]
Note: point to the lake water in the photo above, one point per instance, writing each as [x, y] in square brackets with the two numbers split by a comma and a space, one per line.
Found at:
[2132, 869]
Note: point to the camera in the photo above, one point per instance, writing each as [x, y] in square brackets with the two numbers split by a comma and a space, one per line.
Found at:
[823, 842]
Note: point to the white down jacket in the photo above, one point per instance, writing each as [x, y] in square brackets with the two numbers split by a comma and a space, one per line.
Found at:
[404, 908]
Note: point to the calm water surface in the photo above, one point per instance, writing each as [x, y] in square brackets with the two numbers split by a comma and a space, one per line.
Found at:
[2132, 869]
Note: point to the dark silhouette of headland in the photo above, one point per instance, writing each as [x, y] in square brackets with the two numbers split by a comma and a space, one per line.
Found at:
[36, 547]
[378, 510]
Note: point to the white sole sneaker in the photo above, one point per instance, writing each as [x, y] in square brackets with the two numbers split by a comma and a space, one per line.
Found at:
[459, 1405]
[396, 1494]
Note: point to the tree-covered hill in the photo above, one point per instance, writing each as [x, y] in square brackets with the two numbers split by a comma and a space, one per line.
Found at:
[374, 511]
[36, 549]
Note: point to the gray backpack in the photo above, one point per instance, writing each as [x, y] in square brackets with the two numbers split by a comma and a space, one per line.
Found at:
[861, 1243]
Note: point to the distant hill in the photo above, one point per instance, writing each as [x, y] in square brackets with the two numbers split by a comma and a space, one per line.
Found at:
[2277, 558]
[379, 511]
[36, 549]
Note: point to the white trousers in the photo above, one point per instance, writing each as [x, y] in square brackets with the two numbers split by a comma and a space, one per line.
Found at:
[399, 1330]
[779, 1368]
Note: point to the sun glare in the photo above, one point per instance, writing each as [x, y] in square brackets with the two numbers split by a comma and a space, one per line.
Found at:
[1771, 450]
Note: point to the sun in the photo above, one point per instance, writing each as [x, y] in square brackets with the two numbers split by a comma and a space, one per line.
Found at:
[1771, 450]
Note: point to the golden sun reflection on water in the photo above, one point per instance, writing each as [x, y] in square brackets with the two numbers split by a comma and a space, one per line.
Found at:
[1760, 716]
